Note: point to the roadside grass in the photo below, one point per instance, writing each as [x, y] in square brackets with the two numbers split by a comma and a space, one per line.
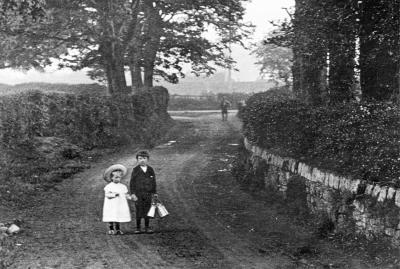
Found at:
[19, 195]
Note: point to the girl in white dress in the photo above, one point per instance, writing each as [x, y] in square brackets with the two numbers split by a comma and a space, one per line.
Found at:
[116, 208]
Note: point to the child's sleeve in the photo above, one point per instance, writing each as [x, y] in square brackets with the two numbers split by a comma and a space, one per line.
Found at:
[108, 193]
[125, 190]
[154, 187]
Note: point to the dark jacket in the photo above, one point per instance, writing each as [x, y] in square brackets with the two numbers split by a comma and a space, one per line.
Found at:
[141, 182]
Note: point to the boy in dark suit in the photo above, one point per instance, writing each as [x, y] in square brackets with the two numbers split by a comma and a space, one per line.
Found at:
[143, 186]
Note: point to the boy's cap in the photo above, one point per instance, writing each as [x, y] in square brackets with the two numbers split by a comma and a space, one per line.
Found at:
[112, 168]
[143, 153]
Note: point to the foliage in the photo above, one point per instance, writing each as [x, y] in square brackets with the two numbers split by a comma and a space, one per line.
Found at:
[275, 62]
[323, 36]
[17, 16]
[156, 37]
[45, 136]
[358, 140]
[88, 121]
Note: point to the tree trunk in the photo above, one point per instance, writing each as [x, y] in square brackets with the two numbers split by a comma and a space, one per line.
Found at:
[152, 43]
[342, 50]
[379, 49]
[112, 51]
[114, 65]
[136, 77]
[310, 53]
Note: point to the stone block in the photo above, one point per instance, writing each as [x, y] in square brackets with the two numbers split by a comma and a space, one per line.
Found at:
[327, 177]
[331, 180]
[397, 198]
[344, 184]
[336, 182]
[376, 191]
[354, 185]
[319, 176]
[369, 189]
[322, 178]
[390, 193]
[306, 171]
[300, 168]
[290, 165]
[382, 194]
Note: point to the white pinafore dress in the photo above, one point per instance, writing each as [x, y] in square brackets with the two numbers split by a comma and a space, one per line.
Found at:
[116, 209]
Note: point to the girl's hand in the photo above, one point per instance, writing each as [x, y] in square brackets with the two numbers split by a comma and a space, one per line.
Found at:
[134, 197]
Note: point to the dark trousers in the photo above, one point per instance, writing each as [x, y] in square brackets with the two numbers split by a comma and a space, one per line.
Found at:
[146, 222]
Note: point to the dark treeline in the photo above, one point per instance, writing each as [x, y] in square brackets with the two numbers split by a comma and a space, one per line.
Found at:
[339, 44]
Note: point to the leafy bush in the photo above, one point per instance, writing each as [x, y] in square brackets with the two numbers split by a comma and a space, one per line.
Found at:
[354, 139]
[31, 121]
[85, 120]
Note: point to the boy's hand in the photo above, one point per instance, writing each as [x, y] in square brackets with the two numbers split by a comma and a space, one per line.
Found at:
[154, 198]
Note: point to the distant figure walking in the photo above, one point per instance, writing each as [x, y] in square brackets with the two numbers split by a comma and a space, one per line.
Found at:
[225, 104]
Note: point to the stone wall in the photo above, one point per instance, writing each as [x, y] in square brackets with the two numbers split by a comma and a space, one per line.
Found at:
[351, 205]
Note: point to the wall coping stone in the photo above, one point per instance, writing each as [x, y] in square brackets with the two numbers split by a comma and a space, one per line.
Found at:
[381, 193]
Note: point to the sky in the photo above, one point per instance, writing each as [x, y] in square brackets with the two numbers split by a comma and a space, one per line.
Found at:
[258, 12]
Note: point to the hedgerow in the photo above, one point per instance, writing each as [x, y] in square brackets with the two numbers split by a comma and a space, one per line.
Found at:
[360, 140]
[36, 125]
[85, 120]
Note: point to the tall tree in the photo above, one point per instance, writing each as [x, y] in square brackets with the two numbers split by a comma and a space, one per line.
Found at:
[310, 51]
[340, 32]
[379, 48]
[113, 35]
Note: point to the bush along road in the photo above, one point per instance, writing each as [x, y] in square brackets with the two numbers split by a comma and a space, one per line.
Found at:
[213, 221]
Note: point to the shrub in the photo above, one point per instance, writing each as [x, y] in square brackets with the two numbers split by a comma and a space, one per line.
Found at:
[354, 139]
[32, 120]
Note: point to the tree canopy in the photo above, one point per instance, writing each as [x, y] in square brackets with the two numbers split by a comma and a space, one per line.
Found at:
[148, 38]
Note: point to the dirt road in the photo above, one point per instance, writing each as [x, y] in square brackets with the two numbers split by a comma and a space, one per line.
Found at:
[213, 223]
